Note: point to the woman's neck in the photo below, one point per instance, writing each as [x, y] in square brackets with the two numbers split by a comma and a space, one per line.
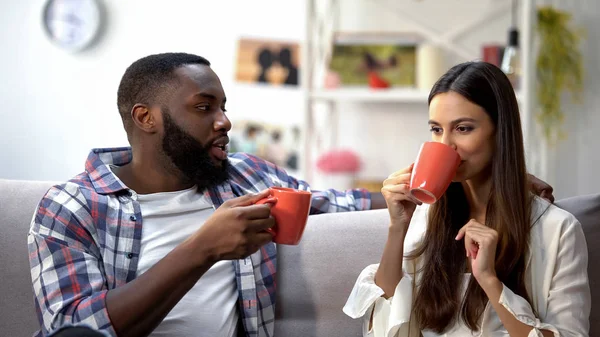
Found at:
[477, 192]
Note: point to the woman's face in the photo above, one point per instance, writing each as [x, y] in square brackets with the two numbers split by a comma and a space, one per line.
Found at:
[465, 126]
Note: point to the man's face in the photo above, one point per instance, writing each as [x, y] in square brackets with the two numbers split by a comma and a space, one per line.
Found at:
[195, 127]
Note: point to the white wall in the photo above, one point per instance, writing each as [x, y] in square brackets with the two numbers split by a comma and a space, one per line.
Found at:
[56, 106]
[575, 162]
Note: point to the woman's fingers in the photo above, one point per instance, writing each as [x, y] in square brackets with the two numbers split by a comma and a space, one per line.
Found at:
[402, 171]
[399, 179]
[399, 192]
[476, 236]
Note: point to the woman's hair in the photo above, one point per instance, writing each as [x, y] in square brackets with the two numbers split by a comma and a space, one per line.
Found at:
[438, 298]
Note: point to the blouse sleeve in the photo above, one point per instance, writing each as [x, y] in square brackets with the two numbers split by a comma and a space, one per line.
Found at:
[569, 299]
[391, 317]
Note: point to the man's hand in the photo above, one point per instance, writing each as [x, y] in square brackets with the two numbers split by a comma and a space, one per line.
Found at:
[541, 188]
[237, 228]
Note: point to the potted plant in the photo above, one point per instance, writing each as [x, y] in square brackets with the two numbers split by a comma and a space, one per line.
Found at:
[559, 68]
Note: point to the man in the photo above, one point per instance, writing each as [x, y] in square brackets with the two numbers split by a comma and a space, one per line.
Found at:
[164, 237]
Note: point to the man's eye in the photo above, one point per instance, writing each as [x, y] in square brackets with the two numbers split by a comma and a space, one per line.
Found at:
[435, 129]
[203, 107]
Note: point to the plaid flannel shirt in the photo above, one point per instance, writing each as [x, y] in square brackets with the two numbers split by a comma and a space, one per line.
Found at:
[85, 240]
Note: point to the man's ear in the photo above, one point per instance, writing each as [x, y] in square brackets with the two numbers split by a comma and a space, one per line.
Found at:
[144, 118]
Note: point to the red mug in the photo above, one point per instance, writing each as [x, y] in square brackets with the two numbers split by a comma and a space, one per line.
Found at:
[290, 210]
[433, 172]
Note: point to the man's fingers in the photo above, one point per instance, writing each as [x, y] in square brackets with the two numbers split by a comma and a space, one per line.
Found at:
[254, 212]
[546, 194]
[260, 239]
[260, 225]
[249, 199]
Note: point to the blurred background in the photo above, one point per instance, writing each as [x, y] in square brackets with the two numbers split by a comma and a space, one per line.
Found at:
[334, 91]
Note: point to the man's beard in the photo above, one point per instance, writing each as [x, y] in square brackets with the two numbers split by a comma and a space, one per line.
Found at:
[191, 157]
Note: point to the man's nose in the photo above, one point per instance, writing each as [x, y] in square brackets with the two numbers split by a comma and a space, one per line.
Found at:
[222, 122]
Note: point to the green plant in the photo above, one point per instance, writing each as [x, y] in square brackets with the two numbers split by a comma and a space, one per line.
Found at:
[559, 67]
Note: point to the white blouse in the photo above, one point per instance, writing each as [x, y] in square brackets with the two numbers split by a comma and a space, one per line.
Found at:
[556, 279]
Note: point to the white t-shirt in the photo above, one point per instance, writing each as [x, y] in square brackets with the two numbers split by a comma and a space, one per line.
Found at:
[555, 273]
[210, 307]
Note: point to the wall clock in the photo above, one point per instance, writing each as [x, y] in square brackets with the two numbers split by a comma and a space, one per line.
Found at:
[72, 24]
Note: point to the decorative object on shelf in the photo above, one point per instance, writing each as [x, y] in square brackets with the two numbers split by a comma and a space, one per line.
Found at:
[492, 53]
[332, 80]
[377, 60]
[431, 65]
[278, 144]
[73, 25]
[268, 61]
[511, 59]
[376, 81]
[338, 169]
[559, 67]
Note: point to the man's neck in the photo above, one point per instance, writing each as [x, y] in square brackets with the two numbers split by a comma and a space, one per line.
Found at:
[146, 177]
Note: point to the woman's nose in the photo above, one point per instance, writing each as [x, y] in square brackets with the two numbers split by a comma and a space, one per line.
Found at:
[448, 141]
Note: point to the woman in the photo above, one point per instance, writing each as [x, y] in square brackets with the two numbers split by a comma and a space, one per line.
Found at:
[489, 258]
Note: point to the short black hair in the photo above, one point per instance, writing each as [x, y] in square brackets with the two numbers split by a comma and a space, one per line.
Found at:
[146, 79]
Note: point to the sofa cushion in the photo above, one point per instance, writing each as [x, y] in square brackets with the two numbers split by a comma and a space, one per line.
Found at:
[18, 201]
[316, 277]
[587, 210]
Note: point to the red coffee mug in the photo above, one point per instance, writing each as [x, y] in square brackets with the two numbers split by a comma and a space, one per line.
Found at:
[433, 172]
[290, 211]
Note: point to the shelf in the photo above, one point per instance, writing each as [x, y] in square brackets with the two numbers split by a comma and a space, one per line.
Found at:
[398, 95]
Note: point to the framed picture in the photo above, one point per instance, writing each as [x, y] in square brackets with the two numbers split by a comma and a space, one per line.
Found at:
[268, 61]
[391, 56]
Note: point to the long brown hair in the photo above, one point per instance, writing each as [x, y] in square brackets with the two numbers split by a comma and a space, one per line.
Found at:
[438, 301]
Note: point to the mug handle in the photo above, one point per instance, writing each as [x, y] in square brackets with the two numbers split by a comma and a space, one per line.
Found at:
[268, 200]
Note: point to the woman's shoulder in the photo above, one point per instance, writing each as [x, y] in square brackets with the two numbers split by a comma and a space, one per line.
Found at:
[550, 221]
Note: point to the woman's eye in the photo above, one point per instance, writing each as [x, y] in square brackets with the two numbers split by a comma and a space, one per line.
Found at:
[435, 129]
[464, 128]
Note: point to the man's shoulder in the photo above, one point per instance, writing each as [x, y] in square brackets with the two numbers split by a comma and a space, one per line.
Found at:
[72, 193]
[251, 173]
[245, 166]
[246, 160]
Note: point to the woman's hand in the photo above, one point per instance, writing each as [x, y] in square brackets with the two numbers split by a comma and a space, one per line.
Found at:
[401, 205]
[480, 244]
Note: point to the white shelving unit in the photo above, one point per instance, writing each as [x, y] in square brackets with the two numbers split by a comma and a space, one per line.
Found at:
[322, 16]
[370, 95]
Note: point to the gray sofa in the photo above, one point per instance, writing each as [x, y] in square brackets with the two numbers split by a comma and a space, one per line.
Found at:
[314, 278]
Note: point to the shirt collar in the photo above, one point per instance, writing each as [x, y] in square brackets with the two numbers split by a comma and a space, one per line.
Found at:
[97, 168]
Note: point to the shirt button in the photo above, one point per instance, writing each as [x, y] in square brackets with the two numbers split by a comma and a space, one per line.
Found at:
[133, 218]
[130, 255]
